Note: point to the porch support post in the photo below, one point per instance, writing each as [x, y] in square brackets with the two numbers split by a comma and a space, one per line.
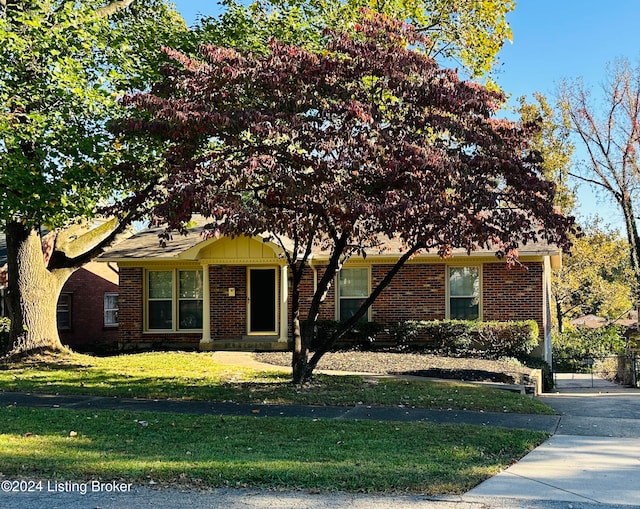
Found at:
[284, 304]
[206, 307]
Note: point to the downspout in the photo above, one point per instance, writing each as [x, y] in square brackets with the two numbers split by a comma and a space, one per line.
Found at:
[547, 299]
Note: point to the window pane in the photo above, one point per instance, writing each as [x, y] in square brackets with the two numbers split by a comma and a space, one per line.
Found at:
[190, 314]
[160, 314]
[160, 284]
[464, 281]
[349, 307]
[354, 282]
[111, 301]
[111, 317]
[464, 308]
[190, 284]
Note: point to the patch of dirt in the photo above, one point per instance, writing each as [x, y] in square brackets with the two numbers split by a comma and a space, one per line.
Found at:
[452, 368]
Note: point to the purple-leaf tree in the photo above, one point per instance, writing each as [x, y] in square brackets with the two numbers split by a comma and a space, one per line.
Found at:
[369, 139]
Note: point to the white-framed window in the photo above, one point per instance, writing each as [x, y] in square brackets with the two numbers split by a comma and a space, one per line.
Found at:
[353, 289]
[110, 309]
[464, 293]
[63, 311]
[174, 299]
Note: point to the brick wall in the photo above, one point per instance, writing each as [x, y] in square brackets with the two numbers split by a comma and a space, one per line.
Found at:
[327, 310]
[228, 314]
[417, 292]
[513, 294]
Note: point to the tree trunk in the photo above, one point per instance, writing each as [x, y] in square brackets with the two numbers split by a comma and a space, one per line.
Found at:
[559, 316]
[300, 345]
[33, 292]
[634, 241]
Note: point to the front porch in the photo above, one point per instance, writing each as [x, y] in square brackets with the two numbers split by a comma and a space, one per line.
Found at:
[245, 299]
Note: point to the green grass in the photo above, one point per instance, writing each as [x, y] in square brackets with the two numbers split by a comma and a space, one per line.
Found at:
[196, 376]
[277, 453]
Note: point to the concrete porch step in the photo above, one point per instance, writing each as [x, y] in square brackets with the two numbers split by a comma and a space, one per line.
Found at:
[247, 344]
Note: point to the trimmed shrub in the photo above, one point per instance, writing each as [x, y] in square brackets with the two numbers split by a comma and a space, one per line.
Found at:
[362, 336]
[451, 338]
[456, 338]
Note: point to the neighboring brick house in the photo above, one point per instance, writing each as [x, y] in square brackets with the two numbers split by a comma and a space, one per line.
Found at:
[233, 293]
[88, 308]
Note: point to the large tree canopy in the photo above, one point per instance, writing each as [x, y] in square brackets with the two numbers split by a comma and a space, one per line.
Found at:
[63, 66]
[469, 33]
[597, 279]
[367, 139]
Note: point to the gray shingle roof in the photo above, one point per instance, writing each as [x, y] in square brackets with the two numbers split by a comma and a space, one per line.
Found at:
[146, 245]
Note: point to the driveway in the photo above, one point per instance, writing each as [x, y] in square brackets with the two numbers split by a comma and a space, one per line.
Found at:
[593, 458]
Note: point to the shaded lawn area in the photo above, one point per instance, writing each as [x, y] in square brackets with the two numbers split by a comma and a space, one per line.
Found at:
[276, 453]
[196, 376]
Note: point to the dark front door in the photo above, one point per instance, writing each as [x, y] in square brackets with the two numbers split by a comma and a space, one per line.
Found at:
[262, 304]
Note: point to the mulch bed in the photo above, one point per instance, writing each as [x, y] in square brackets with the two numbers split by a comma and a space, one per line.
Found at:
[453, 368]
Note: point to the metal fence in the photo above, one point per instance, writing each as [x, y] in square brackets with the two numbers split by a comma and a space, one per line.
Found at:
[622, 369]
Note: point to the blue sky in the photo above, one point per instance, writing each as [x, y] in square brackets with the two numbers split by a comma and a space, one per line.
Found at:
[553, 40]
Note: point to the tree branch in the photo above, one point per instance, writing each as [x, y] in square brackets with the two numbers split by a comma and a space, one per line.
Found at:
[112, 8]
[596, 183]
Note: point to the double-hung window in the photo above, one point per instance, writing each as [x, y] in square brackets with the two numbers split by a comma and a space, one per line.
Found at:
[174, 299]
[110, 309]
[353, 289]
[464, 293]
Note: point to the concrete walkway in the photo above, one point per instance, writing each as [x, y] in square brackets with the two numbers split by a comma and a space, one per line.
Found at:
[593, 458]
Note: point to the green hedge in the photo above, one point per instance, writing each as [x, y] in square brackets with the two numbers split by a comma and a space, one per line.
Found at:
[453, 338]
[457, 338]
[363, 336]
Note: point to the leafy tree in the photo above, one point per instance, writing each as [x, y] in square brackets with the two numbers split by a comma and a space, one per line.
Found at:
[468, 32]
[366, 140]
[574, 346]
[595, 279]
[610, 132]
[554, 144]
[62, 67]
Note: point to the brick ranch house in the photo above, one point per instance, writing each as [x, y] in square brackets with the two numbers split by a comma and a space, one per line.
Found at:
[232, 293]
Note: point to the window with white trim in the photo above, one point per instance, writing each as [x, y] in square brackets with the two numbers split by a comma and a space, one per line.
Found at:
[353, 289]
[464, 293]
[174, 299]
[110, 309]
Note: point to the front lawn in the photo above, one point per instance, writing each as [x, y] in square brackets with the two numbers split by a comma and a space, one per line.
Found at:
[196, 376]
[274, 453]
